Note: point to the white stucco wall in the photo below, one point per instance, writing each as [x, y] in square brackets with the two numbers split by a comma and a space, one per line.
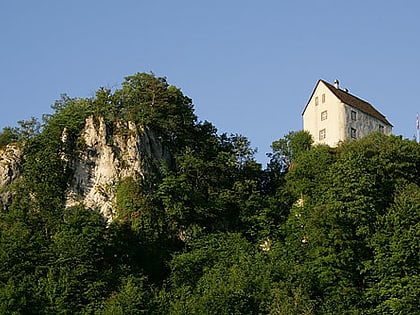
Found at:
[334, 125]
[339, 123]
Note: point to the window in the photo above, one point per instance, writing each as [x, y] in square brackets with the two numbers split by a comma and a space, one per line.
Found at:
[322, 134]
[324, 115]
[353, 133]
[316, 100]
[323, 98]
[381, 129]
[353, 115]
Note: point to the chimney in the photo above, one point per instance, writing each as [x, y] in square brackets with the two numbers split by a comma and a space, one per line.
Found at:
[336, 84]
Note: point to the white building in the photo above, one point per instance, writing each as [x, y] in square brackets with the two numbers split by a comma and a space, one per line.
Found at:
[333, 114]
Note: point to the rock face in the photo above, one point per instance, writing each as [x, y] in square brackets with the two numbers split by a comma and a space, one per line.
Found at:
[104, 155]
[10, 158]
[110, 154]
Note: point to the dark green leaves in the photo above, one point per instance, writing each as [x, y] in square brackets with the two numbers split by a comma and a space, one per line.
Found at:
[205, 230]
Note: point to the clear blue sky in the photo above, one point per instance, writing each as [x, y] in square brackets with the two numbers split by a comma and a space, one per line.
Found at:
[249, 66]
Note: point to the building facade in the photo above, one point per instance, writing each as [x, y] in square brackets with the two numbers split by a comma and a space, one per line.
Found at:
[333, 115]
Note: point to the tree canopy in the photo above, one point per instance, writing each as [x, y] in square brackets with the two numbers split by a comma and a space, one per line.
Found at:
[320, 231]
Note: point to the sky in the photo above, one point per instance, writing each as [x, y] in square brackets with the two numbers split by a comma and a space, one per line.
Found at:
[249, 66]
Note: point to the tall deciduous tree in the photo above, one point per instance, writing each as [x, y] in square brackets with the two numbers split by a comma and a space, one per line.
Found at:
[395, 268]
[285, 150]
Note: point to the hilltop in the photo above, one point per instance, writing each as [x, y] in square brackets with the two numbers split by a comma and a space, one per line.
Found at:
[125, 203]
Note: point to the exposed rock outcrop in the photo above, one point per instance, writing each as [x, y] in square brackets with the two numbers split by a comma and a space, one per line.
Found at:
[111, 153]
[10, 159]
[103, 155]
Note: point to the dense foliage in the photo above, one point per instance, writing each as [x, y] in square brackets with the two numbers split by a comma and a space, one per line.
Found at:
[320, 231]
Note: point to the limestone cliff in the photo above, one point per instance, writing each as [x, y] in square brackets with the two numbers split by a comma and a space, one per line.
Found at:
[104, 154]
[10, 158]
[110, 154]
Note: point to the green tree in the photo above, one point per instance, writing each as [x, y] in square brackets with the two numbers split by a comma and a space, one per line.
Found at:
[74, 280]
[331, 226]
[321, 231]
[221, 274]
[213, 189]
[309, 172]
[29, 128]
[396, 245]
[24, 258]
[143, 239]
[150, 101]
[130, 299]
[8, 135]
[285, 150]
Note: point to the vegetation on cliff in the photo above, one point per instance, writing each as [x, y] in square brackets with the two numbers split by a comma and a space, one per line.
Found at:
[319, 231]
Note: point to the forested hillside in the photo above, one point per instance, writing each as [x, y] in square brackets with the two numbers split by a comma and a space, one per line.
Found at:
[207, 230]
